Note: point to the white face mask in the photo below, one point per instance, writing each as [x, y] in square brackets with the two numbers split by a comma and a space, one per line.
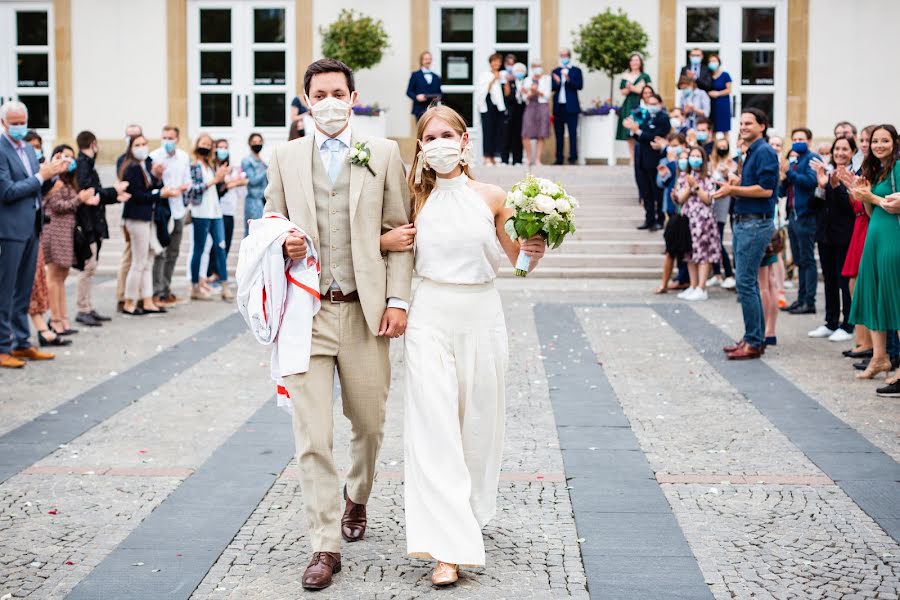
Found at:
[442, 154]
[537, 70]
[331, 114]
[141, 153]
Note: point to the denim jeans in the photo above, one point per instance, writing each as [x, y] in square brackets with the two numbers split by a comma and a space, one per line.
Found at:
[893, 343]
[228, 226]
[750, 240]
[203, 228]
[803, 247]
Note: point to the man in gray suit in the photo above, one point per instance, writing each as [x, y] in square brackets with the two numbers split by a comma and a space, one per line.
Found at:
[21, 218]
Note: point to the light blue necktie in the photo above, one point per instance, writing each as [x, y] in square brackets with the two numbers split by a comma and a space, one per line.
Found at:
[334, 146]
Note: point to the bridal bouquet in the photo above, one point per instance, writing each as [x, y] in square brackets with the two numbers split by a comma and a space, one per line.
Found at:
[540, 207]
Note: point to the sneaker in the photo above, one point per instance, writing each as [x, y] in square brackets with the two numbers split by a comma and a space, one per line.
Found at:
[821, 332]
[699, 294]
[840, 335]
[227, 294]
[714, 282]
[686, 293]
[729, 283]
[891, 390]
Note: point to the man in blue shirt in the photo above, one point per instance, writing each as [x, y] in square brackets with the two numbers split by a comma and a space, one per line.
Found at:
[754, 196]
[802, 220]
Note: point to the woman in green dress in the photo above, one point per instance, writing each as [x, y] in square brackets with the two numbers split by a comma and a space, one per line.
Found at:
[876, 303]
[631, 86]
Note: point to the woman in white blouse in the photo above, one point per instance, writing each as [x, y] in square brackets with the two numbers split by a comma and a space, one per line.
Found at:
[536, 120]
[489, 98]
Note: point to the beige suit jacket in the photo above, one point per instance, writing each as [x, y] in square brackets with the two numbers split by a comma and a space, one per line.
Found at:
[378, 203]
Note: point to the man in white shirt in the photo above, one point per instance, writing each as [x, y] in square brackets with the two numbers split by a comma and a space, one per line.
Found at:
[177, 175]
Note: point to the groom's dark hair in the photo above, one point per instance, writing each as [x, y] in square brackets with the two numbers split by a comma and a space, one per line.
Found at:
[327, 65]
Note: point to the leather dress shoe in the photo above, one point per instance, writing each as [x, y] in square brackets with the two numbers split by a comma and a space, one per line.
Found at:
[861, 354]
[32, 353]
[645, 226]
[353, 523]
[88, 319]
[321, 569]
[734, 347]
[746, 352]
[10, 362]
[803, 309]
[100, 317]
[862, 365]
[790, 306]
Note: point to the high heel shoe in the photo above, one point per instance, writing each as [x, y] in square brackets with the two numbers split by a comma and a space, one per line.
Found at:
[57, 341]
[65, 331]
[874, 369]
[445, 573]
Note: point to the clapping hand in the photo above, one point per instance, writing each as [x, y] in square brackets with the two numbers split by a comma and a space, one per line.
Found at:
[663, 171]
[821, 174]
[658, 143]
[157, 170]
[56, 165]
[89, 196]
[691, 180]
[121, 194]
[861, 189]
[556, 78]
[847, 177]
[221, 172]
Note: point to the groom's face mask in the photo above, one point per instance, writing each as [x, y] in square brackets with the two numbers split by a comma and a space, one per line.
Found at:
[330, 113]
[443, 154]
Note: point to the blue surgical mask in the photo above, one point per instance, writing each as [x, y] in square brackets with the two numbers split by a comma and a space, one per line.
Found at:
[39, 154]
[169, 146]
[682, 163]
[653, 108]
[792, 160]
[73, 164]
[702, 136]
[686, 92]
[565, 61]
[695, 162]
[696, 60]
[222, 153]
[677, 149]
[713, 66]
[520, 76]
[17, 132]
[800, 147]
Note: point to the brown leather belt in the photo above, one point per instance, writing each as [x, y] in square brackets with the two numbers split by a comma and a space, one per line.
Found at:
[337, 297]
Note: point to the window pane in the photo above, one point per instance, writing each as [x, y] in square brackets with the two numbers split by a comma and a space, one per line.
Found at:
[456, 25]
[456, 67]
[460, 102]
[764, 102]
[215, 68]
[269, 110]
[268, 25]
[215, 26]
[38, 111]
[758, 67]
[268, 68]
[702, 25]
[31, 28]
[34, 70]
[512, 25]
[759, 25]
[215, 110]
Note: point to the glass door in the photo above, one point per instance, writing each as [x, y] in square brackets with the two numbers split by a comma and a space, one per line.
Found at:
[27, 70]
[750, 37]
[240, 71]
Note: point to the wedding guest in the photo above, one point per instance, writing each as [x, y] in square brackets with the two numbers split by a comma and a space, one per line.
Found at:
[489, 96]
[424, 86]
[567, 81]
[704, 135]
[125, 263]
[694, 191]
[206, 215]
[131, 131]
[720, 94]
[631, 86]
[722, 168]
[92, 220]
[230, 189]
[876, 302]
[693, 101]
[58, 239]
[40, 304]
[696, 70]
[833, 233]
[677, 234]
[768, 287]
[676, 120]
[753, 228]
[779, 270]
[297, 128]
[536, 117]
[647, 159]
[800, 180]
[255, 170]
[176, 176]
[137, 214]
[515, 106]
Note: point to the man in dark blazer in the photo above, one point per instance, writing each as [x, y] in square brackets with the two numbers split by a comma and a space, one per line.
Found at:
[424, 86]
[646, 159]
[696, 70]
[567, 80]
[21, 219]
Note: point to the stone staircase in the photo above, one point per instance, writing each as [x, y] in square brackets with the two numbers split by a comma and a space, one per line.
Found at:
[606, 245]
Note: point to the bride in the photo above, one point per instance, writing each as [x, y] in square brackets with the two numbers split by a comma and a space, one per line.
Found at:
[456, 348]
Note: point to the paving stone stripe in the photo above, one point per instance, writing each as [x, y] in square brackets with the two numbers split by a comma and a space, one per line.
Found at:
[867, 475]
[36, 439]
[633, 546]
[744, 479]
[171, 551]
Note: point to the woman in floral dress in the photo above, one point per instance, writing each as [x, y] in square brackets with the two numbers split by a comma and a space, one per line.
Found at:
[695, 188]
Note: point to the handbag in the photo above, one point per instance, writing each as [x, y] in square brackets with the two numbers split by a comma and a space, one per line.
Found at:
[82, 248]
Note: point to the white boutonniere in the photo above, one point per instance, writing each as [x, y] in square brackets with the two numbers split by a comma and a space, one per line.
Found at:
[360, 155]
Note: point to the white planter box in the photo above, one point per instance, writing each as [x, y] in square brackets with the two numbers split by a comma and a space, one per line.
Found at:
[361, 125]
[597, 138]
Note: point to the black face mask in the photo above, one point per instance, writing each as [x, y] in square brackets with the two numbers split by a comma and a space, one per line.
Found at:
[723, 152]
[204, 152]
[257, 148]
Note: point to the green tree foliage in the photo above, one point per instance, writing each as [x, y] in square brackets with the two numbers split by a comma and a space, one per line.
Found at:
[355, 39]
[606, 42]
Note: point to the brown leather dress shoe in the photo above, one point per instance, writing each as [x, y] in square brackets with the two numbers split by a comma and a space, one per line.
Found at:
[321, 569]
[32, 354]
[734, 347]
[353, 523]
[745, 352]
[8, 362]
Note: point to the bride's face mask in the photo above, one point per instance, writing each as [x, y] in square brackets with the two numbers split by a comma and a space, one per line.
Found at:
[331, 114]
[443, 154]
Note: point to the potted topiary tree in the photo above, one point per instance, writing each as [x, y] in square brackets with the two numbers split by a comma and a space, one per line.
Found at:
[605, 43]
[359, 41]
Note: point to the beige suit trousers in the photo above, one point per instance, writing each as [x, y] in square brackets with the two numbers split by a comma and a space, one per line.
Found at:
[340, 339]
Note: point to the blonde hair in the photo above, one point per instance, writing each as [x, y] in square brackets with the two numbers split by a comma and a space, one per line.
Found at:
[209, 159]
[420, 191]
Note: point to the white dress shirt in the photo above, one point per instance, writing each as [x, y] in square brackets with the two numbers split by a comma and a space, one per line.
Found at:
[429, 76]
[562, 85]
[177, 173]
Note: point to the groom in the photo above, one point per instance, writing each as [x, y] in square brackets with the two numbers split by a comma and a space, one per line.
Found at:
[344, 205]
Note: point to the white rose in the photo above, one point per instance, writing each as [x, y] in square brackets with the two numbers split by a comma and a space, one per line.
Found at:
[362, 155]
[563, 206]
[544, 203]
[518, 198]
[354, 152]
[549, 188]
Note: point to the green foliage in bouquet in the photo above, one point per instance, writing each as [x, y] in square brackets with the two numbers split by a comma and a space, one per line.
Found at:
[355, 39]
[606, 42]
